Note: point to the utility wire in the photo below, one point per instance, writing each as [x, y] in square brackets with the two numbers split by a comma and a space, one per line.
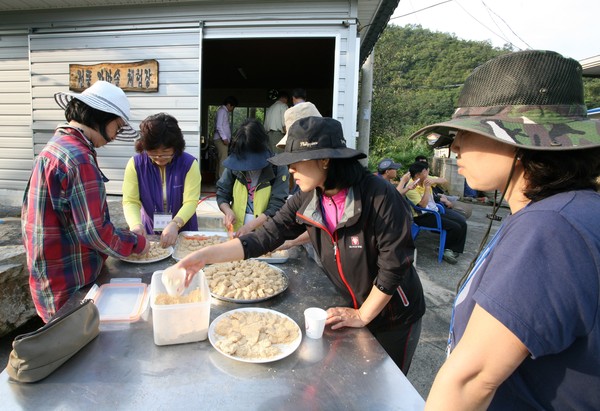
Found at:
[417, 11]
[501, 36]
[408, 14]
[489, 13]
[492, 31]
[506, 24]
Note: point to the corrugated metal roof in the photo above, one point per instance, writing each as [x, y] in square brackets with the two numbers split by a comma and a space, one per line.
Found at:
[591, 66]
[373, 15]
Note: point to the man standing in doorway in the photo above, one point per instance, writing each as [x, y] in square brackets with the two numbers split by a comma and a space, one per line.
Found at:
[298, 96]
[274, 121]
[222, 135]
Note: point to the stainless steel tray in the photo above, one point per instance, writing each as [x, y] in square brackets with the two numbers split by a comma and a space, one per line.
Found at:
[168, 253]
[256, 300]
[276, 257]
[178, 253]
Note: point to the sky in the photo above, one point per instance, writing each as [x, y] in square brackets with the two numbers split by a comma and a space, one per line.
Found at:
[569, 27]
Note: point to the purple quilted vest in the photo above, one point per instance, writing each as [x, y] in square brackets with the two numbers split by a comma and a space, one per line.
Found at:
[151, 193]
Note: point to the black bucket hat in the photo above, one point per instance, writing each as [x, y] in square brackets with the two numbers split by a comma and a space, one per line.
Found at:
[314, 138]
[247, 161]
[531, 99]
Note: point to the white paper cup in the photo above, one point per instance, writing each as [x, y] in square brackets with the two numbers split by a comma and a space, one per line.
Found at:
[314, 320]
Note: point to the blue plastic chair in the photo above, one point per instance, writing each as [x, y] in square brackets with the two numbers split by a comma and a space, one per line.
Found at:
[416, 229]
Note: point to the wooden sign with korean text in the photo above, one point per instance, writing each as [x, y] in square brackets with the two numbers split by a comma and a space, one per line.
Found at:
[137, 76]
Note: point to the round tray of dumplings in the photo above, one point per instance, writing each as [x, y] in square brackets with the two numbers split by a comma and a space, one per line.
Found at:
[156, 253]
[246, 281]
[255, 335]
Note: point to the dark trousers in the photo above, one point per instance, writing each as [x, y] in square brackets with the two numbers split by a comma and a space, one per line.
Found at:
[453, 222]
[400, 343]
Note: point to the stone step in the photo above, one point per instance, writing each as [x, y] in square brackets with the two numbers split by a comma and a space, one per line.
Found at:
[16, 305]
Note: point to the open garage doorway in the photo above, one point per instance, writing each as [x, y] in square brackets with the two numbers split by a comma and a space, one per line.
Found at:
[250, 69]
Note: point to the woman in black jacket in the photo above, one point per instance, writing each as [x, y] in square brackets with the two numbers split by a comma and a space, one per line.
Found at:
[359, 226]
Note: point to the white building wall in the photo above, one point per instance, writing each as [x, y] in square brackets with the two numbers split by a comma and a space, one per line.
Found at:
[16, 153]
[177, 52]
[172, 35]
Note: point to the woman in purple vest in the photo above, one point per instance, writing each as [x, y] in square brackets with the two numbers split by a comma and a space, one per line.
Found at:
[161, 186]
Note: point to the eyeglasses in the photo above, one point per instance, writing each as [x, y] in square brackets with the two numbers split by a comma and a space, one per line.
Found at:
[161, 157]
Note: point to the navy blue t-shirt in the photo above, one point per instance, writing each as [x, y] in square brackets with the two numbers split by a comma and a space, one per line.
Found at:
[541, 279]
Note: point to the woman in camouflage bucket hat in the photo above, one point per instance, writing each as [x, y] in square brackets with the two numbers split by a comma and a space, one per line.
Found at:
[525, 327]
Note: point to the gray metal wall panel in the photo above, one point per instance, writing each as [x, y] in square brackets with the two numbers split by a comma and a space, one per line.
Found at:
[177, 52]
[206, 10]
[16, 151]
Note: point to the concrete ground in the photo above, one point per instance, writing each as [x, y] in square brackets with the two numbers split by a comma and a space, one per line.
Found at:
[439, 282]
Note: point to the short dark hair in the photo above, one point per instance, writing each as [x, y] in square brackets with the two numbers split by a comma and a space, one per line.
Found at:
[299, 93]
[160, 130]
[283, 94]
[231, 100]
[552, 172]
[417, 167]
[80, 112]
[344, 173]
[421, 158]
[250, 137]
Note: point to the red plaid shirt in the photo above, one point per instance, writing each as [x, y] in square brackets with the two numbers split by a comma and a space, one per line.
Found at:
[66, 226]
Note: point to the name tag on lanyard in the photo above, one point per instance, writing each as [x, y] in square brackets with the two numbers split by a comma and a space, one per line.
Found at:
[161, 220]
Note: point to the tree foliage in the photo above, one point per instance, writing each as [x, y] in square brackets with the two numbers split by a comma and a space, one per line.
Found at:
[416, 81]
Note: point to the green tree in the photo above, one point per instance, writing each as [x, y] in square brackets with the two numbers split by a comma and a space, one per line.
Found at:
[416, 81]
[592, 92]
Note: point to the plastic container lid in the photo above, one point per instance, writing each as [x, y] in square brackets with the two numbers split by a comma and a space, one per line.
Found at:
[121, 302]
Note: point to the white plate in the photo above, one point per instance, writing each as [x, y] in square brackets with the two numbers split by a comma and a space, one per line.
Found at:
[153, 260]
[256, 300]
[276, 257]
[285, 349]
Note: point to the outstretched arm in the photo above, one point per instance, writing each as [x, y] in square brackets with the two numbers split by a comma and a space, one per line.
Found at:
[231, 250]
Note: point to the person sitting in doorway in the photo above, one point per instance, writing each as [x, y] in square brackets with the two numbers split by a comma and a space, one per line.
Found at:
[453, 222]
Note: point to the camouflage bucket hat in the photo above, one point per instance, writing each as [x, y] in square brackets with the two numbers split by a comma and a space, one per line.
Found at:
[531, 99]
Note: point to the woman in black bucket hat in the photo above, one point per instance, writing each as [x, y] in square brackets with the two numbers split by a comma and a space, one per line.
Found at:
[250, 189]
[359, 227]
[525, 327]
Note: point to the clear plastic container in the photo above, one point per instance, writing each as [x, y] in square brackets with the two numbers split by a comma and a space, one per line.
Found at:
[180, 323]
[121, 302]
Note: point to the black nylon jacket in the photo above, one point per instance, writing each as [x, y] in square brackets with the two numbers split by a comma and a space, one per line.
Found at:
[372, 244]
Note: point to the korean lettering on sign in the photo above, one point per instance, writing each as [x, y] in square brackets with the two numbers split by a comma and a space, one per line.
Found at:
[137, 76]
